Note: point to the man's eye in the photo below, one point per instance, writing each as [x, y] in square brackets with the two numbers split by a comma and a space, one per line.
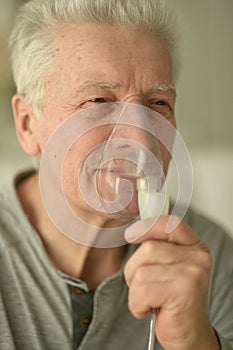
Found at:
[99, 100]
[159, 102]
[159, 105]
[92, 101]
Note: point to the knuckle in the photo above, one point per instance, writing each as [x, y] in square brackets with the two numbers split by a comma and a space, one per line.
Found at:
[205, 260]
[133, 308]
[148, 248]
[192, 282]
[137, 301]
[143, 291]
[198, 275]
[140, 275]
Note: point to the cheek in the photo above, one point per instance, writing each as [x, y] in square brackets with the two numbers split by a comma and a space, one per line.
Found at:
[83, 156]
[45, 130]
[70, 171]
[43, 138]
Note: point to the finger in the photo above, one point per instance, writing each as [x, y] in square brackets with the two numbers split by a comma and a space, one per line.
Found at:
[143, 299]
[148, 274]
[166, 254]
[155, 228]
[167, 288]
[156, 252]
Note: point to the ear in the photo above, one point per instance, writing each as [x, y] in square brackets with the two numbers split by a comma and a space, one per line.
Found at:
[25, 123]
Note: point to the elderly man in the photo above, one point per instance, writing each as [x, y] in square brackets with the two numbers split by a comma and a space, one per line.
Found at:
[72, 59]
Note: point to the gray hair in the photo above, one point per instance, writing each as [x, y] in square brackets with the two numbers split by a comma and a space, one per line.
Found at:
[35, 32]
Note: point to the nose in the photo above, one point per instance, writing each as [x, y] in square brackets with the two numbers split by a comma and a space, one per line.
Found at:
[134, 123]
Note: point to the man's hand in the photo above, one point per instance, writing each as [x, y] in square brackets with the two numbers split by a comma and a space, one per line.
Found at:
[171, 272]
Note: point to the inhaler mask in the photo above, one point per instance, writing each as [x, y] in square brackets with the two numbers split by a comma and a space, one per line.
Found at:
[120, 175]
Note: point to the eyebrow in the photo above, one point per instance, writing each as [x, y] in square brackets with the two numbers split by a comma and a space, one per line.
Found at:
[164, 87]
[100, 84]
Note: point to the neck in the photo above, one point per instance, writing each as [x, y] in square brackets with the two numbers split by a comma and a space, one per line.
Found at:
[90, 264]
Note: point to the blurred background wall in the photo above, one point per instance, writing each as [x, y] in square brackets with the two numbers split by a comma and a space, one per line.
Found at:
[204, 105]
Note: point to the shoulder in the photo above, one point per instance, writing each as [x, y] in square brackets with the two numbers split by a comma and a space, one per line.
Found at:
[13, 221]
[219, 241]
[8, 218]
[206, 228]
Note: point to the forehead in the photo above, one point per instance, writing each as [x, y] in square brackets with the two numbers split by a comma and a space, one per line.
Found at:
[133, 60]
[90, 47]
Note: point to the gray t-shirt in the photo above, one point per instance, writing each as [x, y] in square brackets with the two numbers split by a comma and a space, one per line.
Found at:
[35, 303]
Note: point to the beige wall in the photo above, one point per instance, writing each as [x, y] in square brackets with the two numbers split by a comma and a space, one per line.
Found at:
[204, 106]
[205, 103]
